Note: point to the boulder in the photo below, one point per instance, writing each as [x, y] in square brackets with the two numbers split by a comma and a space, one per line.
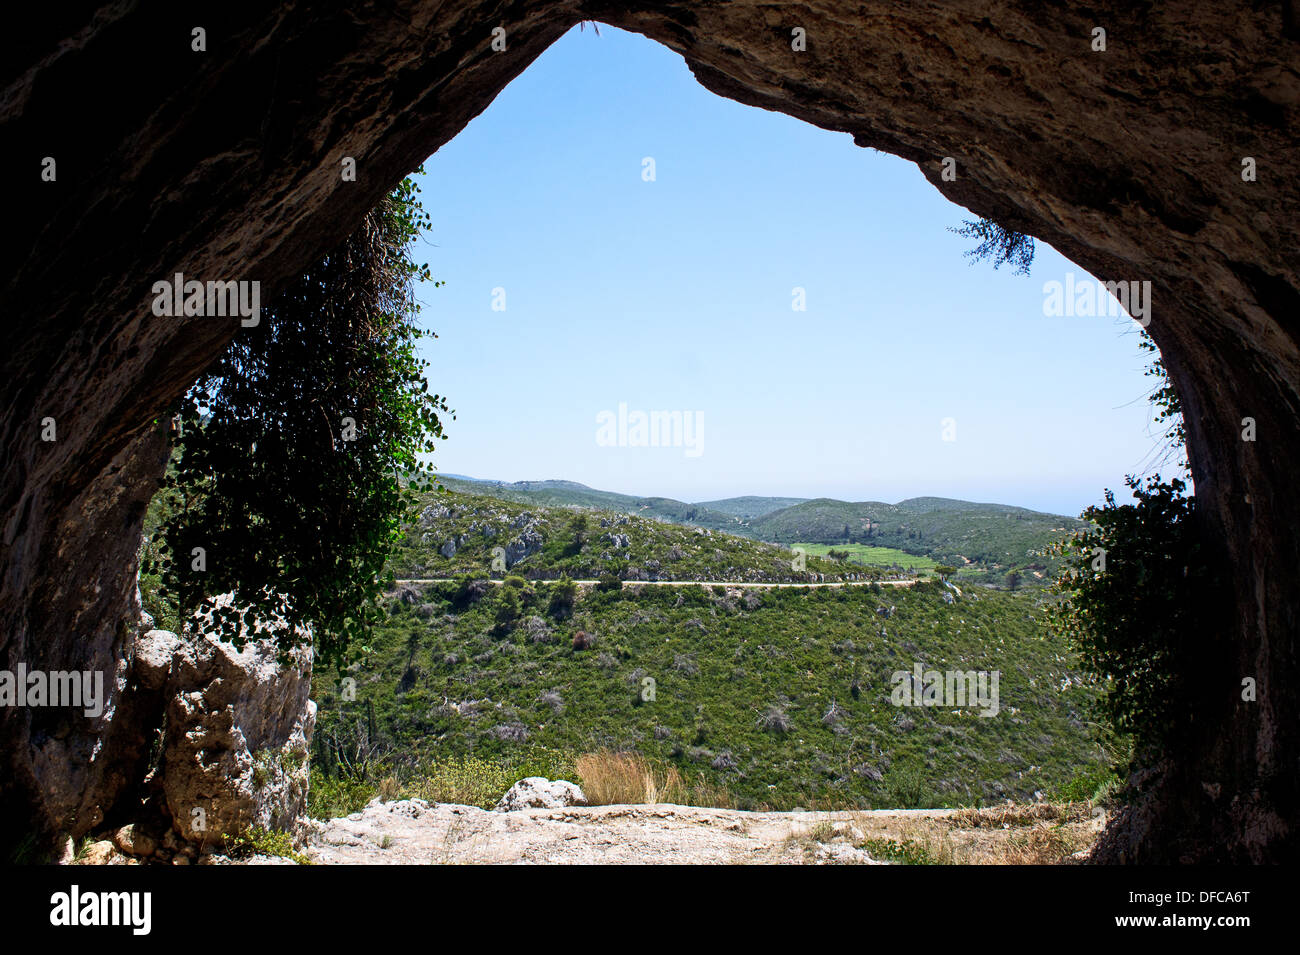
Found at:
[236, 728]
[525, 545]
[537, 792]
[133, 842]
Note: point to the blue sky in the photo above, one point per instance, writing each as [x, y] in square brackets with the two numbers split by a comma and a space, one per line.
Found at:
[676, 295]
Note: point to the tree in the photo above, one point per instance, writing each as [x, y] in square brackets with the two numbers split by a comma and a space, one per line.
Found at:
[578, 528]
[509, 608]
[1001, 245]
[1169, 411]
[611, 579]
[1144, 606]
[564, 596]
[1013, 579]
[300, 450]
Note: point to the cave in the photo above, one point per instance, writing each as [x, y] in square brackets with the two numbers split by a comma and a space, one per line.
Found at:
[145, 140]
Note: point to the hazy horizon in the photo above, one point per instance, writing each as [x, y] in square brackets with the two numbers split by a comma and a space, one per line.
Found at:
[725, 497]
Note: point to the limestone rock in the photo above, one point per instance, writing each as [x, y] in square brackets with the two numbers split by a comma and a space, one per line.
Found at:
[537, 792]
[529, 542]
[132, 841]
[237, 726]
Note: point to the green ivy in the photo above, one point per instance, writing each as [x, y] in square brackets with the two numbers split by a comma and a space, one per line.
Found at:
[1143, 605]
[300, 450]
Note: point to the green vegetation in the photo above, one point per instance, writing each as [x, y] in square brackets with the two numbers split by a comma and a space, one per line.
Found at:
[284, 483]
[780, 698]
[1001, 245]
[984, 540]
[901, 852]
[1143, 606]
[458, 533]
[573, 494]
[886, 557]
[263, 842]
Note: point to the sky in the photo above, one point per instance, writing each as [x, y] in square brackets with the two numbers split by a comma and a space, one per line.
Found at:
[576, 284]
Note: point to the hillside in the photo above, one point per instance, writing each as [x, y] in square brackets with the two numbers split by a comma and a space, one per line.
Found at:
[996, 536]
[748, 508]
[459, 533]
[981, 539]
[780, 698]
[573, 494]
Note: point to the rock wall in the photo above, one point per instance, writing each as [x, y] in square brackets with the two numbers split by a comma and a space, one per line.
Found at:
[1129, 161]
[236, 732]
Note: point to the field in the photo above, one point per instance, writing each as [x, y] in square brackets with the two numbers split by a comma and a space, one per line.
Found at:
[873, 556]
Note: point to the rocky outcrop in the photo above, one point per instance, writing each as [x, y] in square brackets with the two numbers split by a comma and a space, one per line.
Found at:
[235, 726]
[236, 731]
[1128, 160]
[537, 792]
[528, 542]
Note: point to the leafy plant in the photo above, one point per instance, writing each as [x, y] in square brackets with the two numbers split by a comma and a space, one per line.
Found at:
[300, 449]
[264, 842]
[1001, 245]
[1143, 607]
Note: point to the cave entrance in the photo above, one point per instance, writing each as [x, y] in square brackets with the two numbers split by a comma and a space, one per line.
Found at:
[1159, 156]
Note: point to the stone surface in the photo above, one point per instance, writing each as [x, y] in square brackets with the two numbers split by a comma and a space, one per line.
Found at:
[237, 727]
[132, 841]
[537, 792]
[1126, 161]
[660, 834]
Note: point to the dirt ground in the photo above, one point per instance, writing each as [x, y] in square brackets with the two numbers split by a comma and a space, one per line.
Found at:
[411, 832]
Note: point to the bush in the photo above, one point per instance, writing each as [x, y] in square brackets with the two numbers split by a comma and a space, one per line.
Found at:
[330, 797]
[262, 842]
[564, 597]
[286, 485]
[1143, 606]
[774, 720]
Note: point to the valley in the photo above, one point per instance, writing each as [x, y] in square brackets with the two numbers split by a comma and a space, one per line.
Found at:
[519, 636]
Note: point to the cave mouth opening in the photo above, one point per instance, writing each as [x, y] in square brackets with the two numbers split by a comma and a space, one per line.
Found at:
[1170, 206]
[680, 251]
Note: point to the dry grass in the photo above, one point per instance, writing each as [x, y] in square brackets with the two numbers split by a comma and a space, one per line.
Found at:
[1014, 816]
[1033, 834]
[617, 778]
[609, 779]
[1043, 845]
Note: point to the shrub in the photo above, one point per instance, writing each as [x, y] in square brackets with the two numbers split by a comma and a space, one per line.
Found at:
[263, 842]
[564, 596]
[774, 720]
[1144, 608]
[330, 797]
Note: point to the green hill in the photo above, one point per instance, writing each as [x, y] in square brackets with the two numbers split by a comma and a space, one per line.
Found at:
[995, 537]
[780, 697]
[459, 533]
[573, 494]
[748, 508]
[984, 539]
